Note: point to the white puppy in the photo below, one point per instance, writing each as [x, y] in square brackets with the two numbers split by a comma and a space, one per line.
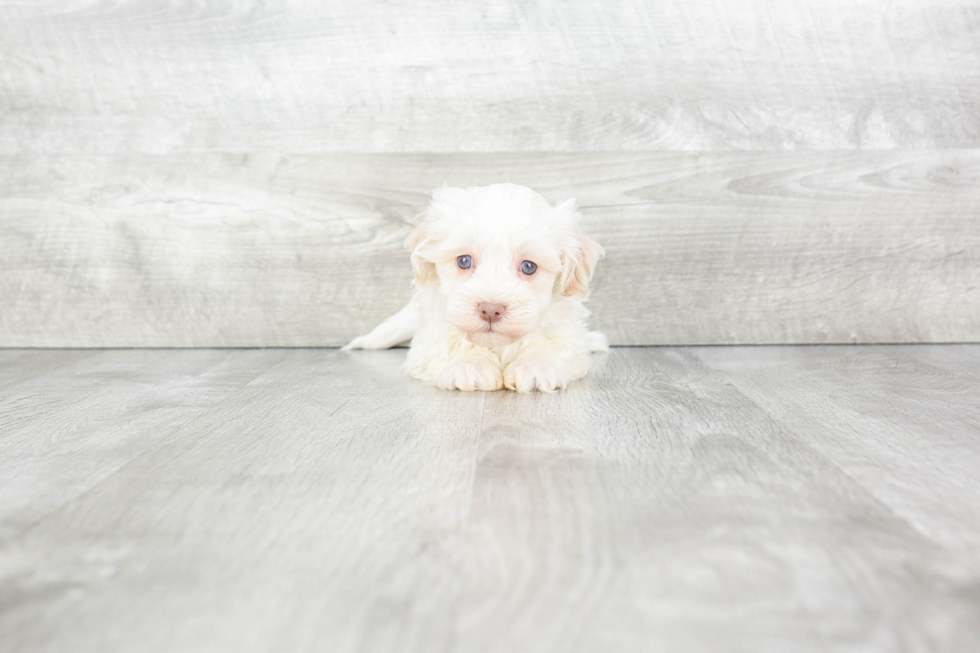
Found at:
[500, 277]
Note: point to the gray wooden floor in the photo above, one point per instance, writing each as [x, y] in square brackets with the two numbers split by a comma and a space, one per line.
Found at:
[680, 499]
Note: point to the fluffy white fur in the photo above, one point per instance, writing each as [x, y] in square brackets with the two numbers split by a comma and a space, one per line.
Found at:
[541, 341]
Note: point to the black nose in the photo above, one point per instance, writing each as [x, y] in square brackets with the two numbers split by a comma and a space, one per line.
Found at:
[491, 311]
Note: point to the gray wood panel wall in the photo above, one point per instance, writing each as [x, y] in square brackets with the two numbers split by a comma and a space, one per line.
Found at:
[242, 173]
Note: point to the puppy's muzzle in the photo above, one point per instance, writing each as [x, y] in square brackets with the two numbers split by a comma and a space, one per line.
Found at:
[491, 312]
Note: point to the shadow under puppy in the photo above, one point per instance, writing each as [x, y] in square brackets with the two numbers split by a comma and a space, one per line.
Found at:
[500, 280]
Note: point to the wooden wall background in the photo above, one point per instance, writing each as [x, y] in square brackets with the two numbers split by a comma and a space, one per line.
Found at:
[242, 173]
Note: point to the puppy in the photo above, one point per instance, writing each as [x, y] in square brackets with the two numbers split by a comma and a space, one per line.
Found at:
[500, 277]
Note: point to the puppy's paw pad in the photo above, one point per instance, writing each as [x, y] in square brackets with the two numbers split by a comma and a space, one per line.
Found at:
[528, 376]
[470, 377]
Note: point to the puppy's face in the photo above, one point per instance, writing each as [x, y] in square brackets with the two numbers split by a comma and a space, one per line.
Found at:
[500, 255]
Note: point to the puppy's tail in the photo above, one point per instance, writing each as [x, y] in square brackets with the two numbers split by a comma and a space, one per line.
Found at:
[597, 341]
[397, 329]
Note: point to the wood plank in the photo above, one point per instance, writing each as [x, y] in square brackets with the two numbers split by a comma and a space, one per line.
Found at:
[305, 250]
[300, 463]
[20, 365]
[246, 76]
[764, 499]
[913, 450]
[658, 508]
[961, 360]
[64, 428]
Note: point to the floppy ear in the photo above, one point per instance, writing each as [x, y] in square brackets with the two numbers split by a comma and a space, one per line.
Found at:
[425, 270]
[577, 265]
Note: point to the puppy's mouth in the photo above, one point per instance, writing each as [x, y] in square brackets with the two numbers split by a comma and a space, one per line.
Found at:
[488, 336]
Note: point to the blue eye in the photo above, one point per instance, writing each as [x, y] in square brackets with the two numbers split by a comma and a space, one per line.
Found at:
[528, 268]
[465, 262]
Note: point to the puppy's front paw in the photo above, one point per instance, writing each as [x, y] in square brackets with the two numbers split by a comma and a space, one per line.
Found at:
[470, 377]
[531, 375]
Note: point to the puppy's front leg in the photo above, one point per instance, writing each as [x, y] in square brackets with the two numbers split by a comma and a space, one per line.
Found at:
[545, 367]
[469, 373]
[441, 356]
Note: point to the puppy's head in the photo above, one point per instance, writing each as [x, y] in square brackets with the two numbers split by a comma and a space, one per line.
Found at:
[500, 255]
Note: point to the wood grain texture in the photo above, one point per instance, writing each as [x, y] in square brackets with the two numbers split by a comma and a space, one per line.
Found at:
[305, 250]
[99, 410]
[162, 76]
[682, 499]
